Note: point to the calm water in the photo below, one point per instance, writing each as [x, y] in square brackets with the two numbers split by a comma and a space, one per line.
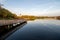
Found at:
[38, 30]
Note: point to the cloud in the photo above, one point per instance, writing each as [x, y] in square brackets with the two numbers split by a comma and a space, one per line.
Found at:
[48, 9]
[2, 1]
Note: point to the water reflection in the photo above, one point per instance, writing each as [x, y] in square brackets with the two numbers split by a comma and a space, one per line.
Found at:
[38, 30]
[41, 19]
[7, 30]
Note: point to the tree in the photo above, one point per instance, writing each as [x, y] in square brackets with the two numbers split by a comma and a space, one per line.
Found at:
[6, 14]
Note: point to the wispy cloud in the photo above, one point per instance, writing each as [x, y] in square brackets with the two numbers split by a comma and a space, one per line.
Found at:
[34, 7]
[48, 9]
[3, 1]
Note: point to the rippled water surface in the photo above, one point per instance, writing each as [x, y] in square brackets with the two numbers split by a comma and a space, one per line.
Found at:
[38, 30]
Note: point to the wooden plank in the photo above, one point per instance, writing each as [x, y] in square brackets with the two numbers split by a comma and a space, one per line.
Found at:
[7, 22]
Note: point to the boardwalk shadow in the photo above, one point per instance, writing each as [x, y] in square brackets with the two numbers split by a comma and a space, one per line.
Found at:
[6, 31]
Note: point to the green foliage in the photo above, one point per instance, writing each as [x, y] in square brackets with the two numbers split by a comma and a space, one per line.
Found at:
[6, 14]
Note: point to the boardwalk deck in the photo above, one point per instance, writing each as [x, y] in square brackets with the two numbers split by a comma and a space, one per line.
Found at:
[8, 22]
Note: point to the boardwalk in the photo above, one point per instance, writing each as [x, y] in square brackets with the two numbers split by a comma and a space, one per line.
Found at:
[7, 27]
[8, 22]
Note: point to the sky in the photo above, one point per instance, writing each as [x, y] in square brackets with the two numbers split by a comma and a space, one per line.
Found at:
[33, 7]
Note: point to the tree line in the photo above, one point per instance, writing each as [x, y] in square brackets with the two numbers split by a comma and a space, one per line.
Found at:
[6, 14]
